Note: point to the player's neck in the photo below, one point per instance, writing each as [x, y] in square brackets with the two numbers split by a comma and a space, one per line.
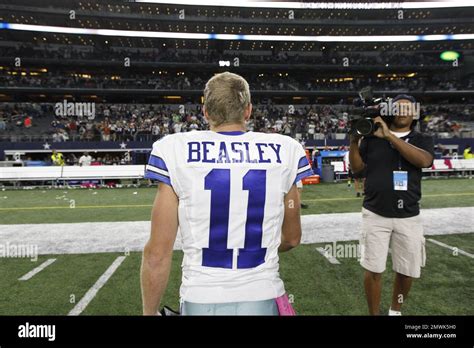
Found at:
[235, 127]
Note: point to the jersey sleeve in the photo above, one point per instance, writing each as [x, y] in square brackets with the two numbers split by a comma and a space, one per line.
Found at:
[157, 168]
[302, 168]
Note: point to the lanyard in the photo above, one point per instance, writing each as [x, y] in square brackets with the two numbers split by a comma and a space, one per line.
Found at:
[407, 140]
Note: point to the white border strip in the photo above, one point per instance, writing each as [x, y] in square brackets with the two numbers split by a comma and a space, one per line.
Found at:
[92, 292]
[38, 269]
[462, 252]
[330, 258]
[244, 37]
[319, 5]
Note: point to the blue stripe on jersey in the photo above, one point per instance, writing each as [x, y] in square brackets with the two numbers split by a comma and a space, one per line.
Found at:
[157, 162]
[157, 171]
[155, 176]
[303, 175]
[303, 162]
[232, 133]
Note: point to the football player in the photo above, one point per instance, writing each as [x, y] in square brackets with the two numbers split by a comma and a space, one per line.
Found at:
[232, 194]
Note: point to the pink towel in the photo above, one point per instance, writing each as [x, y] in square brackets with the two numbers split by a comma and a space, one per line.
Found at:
[448, 163]
[284, 305]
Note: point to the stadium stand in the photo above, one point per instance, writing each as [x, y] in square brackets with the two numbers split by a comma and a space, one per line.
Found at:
[142, 89]
[118, 122]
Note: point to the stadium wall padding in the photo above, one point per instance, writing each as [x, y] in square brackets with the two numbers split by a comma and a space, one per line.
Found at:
[135, 145]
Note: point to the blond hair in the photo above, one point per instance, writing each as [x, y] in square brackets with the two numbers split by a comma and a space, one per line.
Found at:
[226, 97]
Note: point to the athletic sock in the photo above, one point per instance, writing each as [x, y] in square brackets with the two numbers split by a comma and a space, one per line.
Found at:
[392, 312]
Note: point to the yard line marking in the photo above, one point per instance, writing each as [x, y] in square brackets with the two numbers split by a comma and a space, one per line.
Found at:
[92, 292]
[150, 205]
[359, 198]
[329, 257]
[462, 252]
[449, 194]
[81, 207]
[38, 269]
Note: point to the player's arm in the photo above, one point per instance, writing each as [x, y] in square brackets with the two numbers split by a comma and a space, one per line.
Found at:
[156, 262]
[291, 228]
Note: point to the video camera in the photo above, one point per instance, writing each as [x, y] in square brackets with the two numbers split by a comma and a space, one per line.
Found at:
[366, 109]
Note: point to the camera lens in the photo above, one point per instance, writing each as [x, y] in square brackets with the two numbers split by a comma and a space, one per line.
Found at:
[364, 126]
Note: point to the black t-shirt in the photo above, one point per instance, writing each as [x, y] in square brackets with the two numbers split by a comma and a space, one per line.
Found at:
[381, 160]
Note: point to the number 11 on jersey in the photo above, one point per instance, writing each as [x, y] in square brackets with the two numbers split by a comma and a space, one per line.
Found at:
[217, 254]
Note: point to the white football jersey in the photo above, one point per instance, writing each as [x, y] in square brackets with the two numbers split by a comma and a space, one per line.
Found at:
[231, 188]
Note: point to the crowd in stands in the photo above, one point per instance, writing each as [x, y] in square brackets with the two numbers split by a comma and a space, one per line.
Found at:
[127, 122]
[196, 81]
[71, 159]
[446, 119]
[213, 56]
[148, 122]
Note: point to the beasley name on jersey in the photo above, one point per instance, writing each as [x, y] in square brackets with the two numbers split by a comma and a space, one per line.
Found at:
[233, 152]
[221, 150]
[231, 189]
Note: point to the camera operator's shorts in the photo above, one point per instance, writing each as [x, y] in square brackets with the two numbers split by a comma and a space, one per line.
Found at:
[403, 235]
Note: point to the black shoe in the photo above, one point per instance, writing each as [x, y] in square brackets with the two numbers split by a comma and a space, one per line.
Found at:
[358, 194]
[304, 206]
[168, 312]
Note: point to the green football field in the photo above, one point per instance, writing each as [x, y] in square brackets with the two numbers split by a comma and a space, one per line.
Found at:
[316, 286]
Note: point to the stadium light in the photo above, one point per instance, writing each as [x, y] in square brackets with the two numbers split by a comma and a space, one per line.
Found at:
[320, 5]
[204, 36]
[449, 55]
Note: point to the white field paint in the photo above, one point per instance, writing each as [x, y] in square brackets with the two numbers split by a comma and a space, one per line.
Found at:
[453, 249]
[38, 269]
[328, 256]
[92, 292]
[99, 237]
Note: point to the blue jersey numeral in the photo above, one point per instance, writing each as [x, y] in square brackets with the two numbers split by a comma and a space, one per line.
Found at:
[218, 255]
[252, 255]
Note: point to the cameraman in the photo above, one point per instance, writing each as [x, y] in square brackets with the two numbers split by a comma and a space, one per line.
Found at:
[392, 160]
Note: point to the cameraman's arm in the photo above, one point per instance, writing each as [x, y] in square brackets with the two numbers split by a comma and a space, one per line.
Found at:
[355, 159]
[416, 156]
